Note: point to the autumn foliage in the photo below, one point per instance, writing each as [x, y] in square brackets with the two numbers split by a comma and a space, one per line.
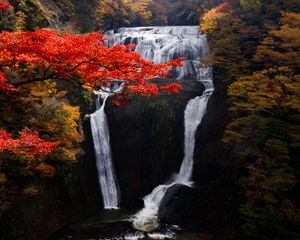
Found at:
[34, 68]
[171, 88]
[4, 5]
[256, 55]
[29, 62]
[28, 143]
[45, 54]
[29, 57]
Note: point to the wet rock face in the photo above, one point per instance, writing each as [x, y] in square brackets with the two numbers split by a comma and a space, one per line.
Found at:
[204, 205]
[147, 145]
[210, 156]
[171, 197]
[147, 134]
[147, 141]
[87, 172]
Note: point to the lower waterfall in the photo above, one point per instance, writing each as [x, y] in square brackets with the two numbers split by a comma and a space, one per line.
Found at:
[147, 218]
[193, 114]
[106, 174]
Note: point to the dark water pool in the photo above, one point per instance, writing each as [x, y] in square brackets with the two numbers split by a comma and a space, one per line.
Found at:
[116, 225]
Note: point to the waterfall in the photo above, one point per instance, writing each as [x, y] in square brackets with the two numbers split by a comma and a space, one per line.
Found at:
[193, 115]
[106, 175]
[147, 218]
[161, 44]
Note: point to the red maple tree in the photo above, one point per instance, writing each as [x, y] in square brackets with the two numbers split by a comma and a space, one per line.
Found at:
[28, 143]
[27, 57]
[4, 5]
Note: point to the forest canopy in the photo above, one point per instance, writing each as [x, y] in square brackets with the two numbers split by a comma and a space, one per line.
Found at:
[46, 75]
[255, 51]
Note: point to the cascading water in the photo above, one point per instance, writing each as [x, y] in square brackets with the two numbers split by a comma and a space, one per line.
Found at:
[106, 175]
[193, 114]
[161, 44]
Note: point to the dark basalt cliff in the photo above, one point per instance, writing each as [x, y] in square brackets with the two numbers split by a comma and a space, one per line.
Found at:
[147, 145]
[147, 142]
[208, 204]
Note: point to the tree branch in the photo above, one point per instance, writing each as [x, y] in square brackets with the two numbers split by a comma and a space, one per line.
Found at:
[51, 76]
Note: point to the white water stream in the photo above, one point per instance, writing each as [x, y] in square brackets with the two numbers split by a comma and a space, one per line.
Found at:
[161, 44]
[100, 132]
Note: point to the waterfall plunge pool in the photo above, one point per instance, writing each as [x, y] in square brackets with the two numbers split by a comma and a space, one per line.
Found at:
[115, 225]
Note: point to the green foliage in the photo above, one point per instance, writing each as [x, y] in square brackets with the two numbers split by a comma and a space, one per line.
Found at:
[91, 15]
[265, 223]
[67, 7]
[7, 20]
[252, 5]
[122, 13]
[114, 14]
[35, 14]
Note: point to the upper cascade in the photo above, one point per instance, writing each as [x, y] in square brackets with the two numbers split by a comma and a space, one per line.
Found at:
[162, 44]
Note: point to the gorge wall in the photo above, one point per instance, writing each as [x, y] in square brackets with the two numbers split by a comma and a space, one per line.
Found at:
[147, 145]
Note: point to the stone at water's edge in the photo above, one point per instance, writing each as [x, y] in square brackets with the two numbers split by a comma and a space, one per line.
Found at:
[171, 195]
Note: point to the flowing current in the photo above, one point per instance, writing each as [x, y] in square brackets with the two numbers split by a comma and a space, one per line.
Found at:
[161, 44]
[106, 175]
